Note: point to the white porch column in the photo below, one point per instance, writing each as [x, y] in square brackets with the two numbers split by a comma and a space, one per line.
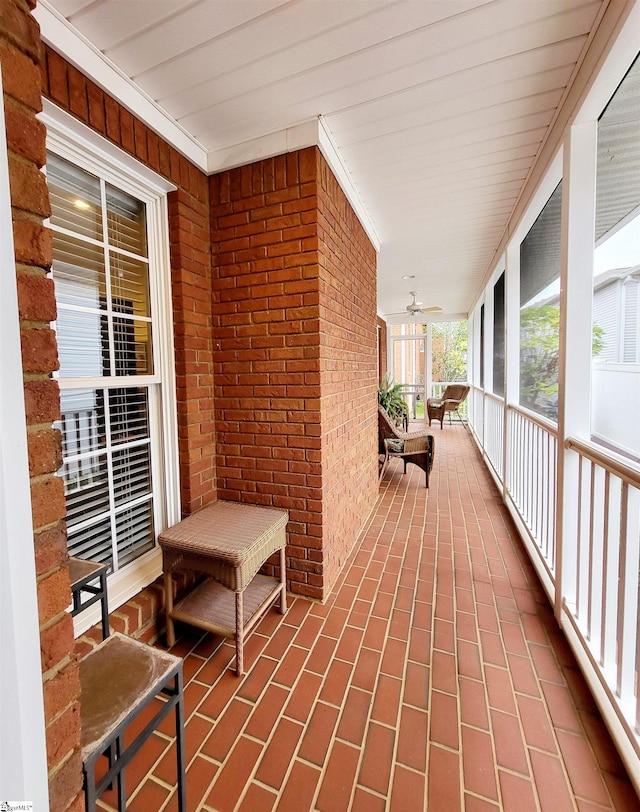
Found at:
[23, 758]
[574, 373]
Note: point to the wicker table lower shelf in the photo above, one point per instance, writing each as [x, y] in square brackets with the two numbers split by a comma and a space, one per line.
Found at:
[228, 542]
[212, 607]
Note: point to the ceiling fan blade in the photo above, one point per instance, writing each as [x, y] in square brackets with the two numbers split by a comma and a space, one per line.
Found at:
[435, 309]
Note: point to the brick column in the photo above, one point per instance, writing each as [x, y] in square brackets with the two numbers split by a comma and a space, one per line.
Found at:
[294, 289]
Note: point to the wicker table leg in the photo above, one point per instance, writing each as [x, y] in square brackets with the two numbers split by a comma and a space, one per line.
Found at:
[239, 634]
[168, 606]
[283, 581]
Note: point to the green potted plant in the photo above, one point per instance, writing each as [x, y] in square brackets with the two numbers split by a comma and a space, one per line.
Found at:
[390, 398]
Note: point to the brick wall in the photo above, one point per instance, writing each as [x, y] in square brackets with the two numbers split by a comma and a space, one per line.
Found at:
[20, 54]
[190, 265]
[348, 372]
[266, 338]
[29, 70]
[293, 292]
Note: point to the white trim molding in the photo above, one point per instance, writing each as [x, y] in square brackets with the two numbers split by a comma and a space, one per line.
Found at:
[23, 757]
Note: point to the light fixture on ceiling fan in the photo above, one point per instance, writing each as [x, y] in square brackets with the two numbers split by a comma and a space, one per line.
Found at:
[415, 307]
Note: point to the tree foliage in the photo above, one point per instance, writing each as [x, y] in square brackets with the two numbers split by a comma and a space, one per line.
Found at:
[449, 351]
[539, 357]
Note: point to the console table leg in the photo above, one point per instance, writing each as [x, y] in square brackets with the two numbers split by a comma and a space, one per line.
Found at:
[104, 605]
[182, 799]
[122, 794]
[239, 634]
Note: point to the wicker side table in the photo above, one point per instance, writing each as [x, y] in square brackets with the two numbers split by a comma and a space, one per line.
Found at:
[229, 542]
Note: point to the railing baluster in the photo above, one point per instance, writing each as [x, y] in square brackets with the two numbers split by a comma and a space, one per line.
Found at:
[605, 559]
[591, 549]
[579, 551]
[622, 561]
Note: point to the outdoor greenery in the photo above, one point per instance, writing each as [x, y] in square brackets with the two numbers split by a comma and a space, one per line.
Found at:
[449, 351]
[390, 398]
[539, 357]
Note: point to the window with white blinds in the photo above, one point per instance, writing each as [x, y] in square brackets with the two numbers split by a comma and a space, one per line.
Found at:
[110, 386]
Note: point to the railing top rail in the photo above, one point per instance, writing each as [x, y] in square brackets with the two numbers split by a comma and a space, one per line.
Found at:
[493, 396]
[537, 419]
[611, 464]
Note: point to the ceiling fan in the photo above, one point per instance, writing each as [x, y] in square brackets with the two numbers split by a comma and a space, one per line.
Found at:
[415, 307]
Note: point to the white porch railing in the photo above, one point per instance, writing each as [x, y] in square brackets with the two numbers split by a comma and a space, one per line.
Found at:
[602, 577]
[532, 454]
[596, 591]
[493, 424]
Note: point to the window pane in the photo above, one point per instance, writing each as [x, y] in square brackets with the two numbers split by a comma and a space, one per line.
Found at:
[82, 423]
[132, 340]
[129, 285]
[75, 198]
[131, 473]
[86, 488]
[134, 528]
[615, 396]
[128, 415]
[78, 272]
[540, 310]
[126, 222]
[82, 349]
[93, 542]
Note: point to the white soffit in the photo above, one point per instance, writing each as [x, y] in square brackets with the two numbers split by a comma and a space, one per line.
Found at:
[431, 113]
[65, 39]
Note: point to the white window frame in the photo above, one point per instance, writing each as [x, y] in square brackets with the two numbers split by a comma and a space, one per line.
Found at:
[78, 144]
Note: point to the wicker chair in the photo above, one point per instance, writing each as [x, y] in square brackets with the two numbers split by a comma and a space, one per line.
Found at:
[417, 446]
[452, 398]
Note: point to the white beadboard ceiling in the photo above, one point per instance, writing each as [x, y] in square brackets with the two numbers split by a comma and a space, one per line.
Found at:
[436, 108]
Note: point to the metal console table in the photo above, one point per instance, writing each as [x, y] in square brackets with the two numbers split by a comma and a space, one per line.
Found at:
[119, 679]
[228, 541]
[82, 574]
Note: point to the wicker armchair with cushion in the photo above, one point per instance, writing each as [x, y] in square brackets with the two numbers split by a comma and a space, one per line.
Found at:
[416, 447]
[452, 398]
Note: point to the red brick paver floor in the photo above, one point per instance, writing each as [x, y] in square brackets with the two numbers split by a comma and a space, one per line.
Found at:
[434, 678]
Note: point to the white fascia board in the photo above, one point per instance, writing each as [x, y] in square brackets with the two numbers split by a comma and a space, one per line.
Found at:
[266, 146]
[57, 33]
[312, 133]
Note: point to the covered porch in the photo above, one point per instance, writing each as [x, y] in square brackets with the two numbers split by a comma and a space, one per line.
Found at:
[434, 677]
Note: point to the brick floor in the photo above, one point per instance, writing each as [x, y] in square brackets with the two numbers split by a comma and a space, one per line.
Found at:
[434, 678]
